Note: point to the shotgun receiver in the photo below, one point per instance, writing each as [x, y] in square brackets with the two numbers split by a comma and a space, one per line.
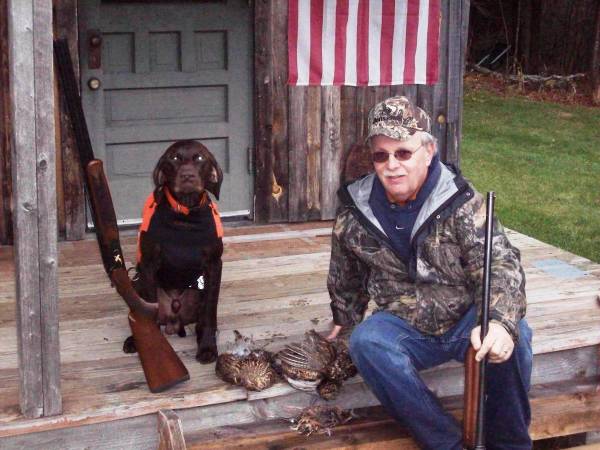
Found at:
[474, 398]
[162, 367]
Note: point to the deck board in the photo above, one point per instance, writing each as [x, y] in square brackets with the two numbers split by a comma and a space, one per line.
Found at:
[274, 289]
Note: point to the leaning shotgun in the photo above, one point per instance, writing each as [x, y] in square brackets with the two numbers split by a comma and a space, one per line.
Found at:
[474, 399]
[162, 367]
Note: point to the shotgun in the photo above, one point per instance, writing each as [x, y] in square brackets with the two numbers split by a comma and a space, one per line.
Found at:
[474, 399]
[162, 367]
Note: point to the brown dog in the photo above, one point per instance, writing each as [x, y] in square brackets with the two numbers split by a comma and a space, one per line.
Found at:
[180, 245]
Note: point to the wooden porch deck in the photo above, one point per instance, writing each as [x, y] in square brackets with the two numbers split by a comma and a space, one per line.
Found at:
[273, 288]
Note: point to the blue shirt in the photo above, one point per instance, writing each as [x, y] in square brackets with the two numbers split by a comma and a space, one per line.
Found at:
[398, 221]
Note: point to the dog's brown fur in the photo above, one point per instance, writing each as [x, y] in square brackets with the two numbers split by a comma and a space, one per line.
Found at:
[187, 169]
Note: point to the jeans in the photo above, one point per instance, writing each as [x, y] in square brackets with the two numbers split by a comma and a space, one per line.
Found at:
[389, 352]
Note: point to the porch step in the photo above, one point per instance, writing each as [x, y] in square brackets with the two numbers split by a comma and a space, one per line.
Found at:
[556, 411]
[373, 429]
[274, 289]
[170, 431]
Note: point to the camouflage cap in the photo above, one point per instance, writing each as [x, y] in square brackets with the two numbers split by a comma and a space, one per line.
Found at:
[397, 118]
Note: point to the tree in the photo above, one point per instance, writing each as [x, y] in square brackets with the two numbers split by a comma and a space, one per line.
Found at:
[596, 60]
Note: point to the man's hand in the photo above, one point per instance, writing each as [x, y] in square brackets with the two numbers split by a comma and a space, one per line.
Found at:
[498, 343]
[334, 332]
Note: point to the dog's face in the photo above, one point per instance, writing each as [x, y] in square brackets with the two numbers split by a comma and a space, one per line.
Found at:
[188, 167]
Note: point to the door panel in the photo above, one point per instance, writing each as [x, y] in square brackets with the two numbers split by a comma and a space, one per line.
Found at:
[169, 71]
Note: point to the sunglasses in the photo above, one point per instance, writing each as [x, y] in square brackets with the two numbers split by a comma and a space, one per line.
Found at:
[400, 155]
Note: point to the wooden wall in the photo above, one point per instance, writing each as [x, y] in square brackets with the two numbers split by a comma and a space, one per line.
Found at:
[5, 172]
[70, 193]
[32, 119]
[302, 134]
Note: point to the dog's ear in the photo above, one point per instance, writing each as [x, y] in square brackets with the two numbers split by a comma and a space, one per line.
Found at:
[213, 184]
[159, 177]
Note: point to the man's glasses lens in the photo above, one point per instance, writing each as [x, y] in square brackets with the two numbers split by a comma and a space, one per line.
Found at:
[400, 155]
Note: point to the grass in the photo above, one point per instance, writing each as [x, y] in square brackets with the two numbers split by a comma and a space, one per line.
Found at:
[543, 161]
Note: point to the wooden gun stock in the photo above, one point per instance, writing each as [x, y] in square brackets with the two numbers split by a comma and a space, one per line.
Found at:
[162, 367]
[470, 399]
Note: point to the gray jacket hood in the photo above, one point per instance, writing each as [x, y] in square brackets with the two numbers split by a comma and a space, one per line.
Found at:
[359, 192]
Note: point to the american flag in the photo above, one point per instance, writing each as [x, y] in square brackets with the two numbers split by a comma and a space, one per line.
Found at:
[363, 42]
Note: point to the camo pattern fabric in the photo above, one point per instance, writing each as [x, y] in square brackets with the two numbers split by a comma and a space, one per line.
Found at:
[397, 118]
[449, 271]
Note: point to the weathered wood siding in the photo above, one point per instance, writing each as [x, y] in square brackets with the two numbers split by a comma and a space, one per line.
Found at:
[71, 196]
[324, 122]
[5, 177]
[69, 185]
[271, 185]
[302, 134]
[34, 176]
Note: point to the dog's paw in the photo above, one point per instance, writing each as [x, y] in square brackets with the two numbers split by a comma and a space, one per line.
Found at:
[207, 345]
[129, 345]
[206, 355]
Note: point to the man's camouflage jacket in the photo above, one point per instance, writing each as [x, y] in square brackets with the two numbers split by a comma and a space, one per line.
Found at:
[443, 277]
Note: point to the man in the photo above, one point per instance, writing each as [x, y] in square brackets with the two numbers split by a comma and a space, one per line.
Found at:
[411, 237]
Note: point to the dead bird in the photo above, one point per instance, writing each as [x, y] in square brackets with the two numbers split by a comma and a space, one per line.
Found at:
[316, 364]
[329, 389]
[320, 419]
[342, 367]
[246, 366]
[304, 364]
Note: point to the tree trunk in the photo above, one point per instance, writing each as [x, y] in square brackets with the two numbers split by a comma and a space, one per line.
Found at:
[535, 60]
[517, 21]
[596, 60]
[577, 39]
[566, 40]
[525, 36]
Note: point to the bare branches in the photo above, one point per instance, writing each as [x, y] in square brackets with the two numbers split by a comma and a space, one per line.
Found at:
[549, 81]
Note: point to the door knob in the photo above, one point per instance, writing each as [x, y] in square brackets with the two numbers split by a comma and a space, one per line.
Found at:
[94, 84]
[95, 40]
[94, 49]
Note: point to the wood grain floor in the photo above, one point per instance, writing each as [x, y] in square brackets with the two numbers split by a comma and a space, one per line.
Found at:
[273, 289]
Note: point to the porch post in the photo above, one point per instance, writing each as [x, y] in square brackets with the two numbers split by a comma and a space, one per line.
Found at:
[31, 72]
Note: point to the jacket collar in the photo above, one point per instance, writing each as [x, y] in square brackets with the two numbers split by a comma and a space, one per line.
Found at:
[357, 194]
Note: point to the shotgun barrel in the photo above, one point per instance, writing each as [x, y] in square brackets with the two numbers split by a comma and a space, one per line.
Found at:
[474, 398]
[107, 233]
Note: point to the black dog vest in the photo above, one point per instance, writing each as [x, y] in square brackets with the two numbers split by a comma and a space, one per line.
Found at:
[185, 236]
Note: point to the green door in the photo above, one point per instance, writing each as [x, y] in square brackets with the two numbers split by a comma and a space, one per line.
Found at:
[167, 71]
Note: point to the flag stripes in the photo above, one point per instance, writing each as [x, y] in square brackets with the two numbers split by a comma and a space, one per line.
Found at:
[363, 42]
